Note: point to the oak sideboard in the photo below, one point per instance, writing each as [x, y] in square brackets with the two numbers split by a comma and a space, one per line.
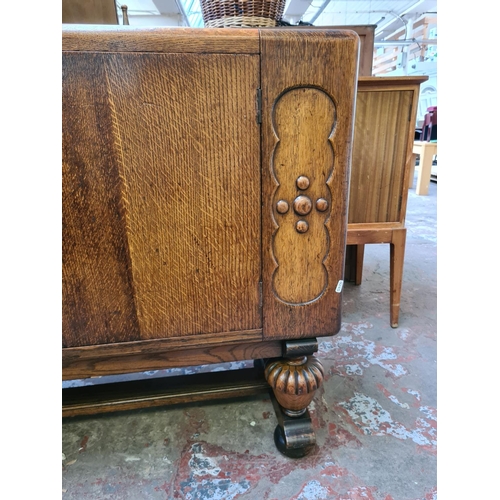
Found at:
[204, 194]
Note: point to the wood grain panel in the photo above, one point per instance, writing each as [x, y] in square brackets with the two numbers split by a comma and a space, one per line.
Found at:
[366, 35]
[379, 155]
[160, 39]
[98, 305]
[327, 61]
[300, 275]
[72, 354]
[191, 162]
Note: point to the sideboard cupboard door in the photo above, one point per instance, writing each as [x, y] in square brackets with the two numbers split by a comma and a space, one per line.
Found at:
[308, 101]
[161, 187]
[205, 178]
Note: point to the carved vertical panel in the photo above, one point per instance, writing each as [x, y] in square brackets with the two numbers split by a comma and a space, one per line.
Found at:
[307, 124]
[302, 162]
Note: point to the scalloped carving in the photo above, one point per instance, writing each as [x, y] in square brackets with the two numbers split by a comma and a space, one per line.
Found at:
[303, 121]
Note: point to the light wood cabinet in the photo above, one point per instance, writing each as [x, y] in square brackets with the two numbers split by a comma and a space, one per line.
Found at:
[386, 109]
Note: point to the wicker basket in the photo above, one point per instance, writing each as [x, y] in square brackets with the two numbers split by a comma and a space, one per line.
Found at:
[241, 13]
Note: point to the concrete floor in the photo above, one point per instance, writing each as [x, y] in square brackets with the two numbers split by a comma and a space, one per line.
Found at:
[375, 416]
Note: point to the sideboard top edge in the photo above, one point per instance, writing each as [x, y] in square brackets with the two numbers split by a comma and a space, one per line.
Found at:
[117, 38]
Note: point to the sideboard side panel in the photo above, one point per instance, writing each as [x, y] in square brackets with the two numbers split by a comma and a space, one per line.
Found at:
[380, 154]
[307, 126]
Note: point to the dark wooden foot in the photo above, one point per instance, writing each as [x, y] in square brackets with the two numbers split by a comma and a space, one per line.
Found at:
[294, 380]
[293, 436]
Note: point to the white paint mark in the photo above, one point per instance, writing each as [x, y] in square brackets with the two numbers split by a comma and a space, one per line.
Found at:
[396, 401]
[325, 347]
[202, 465]
[372, 419]
[356, 329]
[414, 393]
[360, 492]
[404, 333]
[352, 350]
[219, 489]
[353, 369]
[314, 491]
[132, 459]
[429, 412]
[252, 424]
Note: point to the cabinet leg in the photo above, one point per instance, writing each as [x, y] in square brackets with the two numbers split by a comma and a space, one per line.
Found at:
[354, 263]
[397, 253]
[294, 382]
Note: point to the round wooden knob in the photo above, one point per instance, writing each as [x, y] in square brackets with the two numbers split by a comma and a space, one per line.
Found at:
[302, 205]
[302, 226]
[282, 207]
[321, 204]
[302, 182]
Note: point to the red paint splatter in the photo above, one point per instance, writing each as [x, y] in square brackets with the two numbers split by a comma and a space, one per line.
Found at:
[384, 391]
[194, 423]
[432, 494]
[240, 466]
[334, 471]
[266, 415]
[83, 444]
[340, 437]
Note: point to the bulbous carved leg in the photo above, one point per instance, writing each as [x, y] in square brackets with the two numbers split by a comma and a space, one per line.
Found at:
[294, 382]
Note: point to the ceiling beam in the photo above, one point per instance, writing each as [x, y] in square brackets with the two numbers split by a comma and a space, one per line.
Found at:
[167, 6]
[296, 9]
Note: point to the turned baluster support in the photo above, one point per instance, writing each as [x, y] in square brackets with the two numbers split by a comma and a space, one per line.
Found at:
[294, 380]
[125, 15]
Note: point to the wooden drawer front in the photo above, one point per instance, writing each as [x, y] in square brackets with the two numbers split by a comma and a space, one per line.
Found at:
[161, 196]
[380, 154]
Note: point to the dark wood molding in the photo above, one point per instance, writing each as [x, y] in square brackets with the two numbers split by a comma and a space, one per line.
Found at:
[112, 364]
[155, 392]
